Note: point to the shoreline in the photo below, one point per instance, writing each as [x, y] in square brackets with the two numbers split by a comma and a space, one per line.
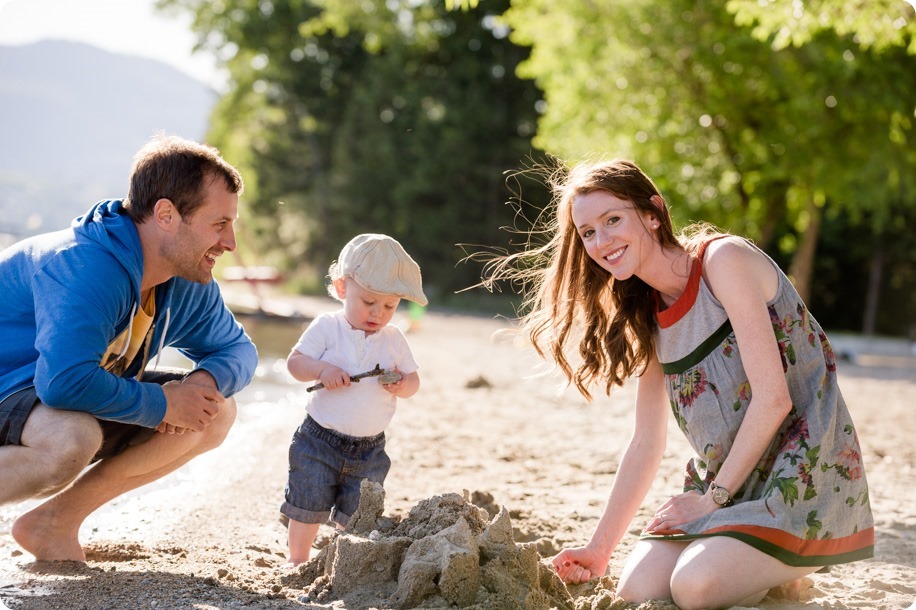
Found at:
[208, 535]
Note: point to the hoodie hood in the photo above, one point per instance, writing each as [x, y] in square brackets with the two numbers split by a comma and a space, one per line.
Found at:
[67, 294]
[108, 225]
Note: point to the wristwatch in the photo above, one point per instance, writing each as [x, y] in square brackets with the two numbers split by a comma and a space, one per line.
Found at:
[720, 495]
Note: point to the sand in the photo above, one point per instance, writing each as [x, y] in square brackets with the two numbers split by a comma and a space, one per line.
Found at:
[495, 469]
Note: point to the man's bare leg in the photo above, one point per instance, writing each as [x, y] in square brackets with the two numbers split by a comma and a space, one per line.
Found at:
[55, 448]
[51, 530]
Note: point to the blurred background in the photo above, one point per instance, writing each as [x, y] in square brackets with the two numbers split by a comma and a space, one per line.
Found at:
[791, 123]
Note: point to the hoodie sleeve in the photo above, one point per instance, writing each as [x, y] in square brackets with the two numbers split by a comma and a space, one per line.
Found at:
[80, 299]
[202, 328]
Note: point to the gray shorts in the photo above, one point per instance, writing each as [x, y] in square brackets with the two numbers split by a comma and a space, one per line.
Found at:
[15, 410]
[325, 470]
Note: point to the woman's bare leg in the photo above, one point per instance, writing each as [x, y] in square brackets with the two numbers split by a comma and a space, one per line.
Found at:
[647, 573]
[719, 572]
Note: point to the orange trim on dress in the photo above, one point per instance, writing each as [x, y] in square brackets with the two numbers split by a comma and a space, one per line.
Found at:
[801, 546]
[679, 308]
[683, 304]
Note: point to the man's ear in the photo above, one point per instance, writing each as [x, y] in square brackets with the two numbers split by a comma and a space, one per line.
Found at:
[340, 286]
[165, 214]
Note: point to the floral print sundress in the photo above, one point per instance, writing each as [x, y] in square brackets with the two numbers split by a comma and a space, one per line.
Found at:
[806, 502]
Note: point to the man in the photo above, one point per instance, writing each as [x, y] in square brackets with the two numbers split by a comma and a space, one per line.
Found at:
[83, 311]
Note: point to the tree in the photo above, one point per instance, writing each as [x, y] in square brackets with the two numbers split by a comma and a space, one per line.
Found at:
[396, 117]
[755, 138]
[872, 24]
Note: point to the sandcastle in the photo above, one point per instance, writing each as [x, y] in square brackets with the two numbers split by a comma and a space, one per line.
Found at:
[446, 553]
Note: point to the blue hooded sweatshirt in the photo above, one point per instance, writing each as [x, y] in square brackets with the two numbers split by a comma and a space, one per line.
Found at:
[64, 296]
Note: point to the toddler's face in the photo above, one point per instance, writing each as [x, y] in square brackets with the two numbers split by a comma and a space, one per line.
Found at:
[366, 310]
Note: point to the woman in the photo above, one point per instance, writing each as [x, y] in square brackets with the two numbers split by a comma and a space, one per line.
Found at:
[716, 333]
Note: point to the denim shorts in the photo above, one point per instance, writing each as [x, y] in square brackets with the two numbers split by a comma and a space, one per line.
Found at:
[15, 410]
[325, 470]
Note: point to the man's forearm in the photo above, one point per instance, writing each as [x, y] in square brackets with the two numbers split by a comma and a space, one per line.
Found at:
[201, 377]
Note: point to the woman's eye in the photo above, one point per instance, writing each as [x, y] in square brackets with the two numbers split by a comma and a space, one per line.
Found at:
[587, 233]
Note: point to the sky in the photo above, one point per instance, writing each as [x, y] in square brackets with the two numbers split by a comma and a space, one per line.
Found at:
[131, 27]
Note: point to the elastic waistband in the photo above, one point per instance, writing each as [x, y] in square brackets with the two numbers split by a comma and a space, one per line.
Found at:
[342, 441]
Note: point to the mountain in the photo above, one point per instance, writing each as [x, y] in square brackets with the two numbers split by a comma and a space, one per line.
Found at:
[71, 118]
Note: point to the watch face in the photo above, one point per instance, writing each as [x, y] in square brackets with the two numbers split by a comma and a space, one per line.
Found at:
[720, 495]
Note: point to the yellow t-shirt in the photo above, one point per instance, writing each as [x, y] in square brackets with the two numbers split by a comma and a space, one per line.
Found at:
[117, 358]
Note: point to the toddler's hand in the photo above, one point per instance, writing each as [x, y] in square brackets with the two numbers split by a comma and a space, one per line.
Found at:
[334, 377]
[392, 381]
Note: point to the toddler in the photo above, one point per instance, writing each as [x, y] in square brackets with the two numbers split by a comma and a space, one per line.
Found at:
[342, 440]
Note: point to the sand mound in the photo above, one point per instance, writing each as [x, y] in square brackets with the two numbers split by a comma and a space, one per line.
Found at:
[447, 552]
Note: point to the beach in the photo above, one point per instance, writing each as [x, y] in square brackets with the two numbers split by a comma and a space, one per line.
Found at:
[490, 436]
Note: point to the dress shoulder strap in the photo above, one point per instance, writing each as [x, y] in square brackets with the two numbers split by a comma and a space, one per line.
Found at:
[680, 307]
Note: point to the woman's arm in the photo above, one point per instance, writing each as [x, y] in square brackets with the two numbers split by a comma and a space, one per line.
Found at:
[744, 281]
[634, 478]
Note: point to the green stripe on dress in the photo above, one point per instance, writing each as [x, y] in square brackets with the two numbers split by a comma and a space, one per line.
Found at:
[773, 550]
[702, 350]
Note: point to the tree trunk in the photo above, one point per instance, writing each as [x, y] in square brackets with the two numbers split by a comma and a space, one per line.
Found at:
[803, 262]
[874, 289]
[773, 216]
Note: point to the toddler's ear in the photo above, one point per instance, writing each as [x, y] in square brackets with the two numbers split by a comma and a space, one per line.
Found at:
[340, 286]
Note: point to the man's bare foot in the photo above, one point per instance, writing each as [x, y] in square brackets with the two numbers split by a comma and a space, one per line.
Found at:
[44, 537]
[796, 590]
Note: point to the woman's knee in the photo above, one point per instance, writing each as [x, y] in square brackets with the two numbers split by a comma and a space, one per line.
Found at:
[647, 573]
[637, 591]
[693, 589]
[698, 587]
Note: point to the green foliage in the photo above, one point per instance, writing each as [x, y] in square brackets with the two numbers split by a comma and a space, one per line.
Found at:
[462, 4]
[843, 268]
[739, 133]
[378, 116]
[768, 119]
[877, 24]
[758, 139]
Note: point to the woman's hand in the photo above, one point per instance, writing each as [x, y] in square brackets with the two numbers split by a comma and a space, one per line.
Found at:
[684, 508]
[579, 565]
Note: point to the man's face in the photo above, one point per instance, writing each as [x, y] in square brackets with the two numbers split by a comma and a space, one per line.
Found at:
[204, 235]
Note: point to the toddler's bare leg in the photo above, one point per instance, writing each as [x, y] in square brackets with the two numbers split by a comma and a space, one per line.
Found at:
[301, 538]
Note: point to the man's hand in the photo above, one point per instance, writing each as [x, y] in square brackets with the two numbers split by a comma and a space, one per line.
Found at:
[165, 428]
[189, 406]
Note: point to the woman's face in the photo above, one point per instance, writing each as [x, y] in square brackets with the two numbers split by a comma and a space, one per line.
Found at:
[614, 233]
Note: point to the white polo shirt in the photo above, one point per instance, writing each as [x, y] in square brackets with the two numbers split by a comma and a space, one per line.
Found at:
[364, 408]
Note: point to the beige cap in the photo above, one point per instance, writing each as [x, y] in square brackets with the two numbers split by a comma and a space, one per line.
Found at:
[380, 264]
